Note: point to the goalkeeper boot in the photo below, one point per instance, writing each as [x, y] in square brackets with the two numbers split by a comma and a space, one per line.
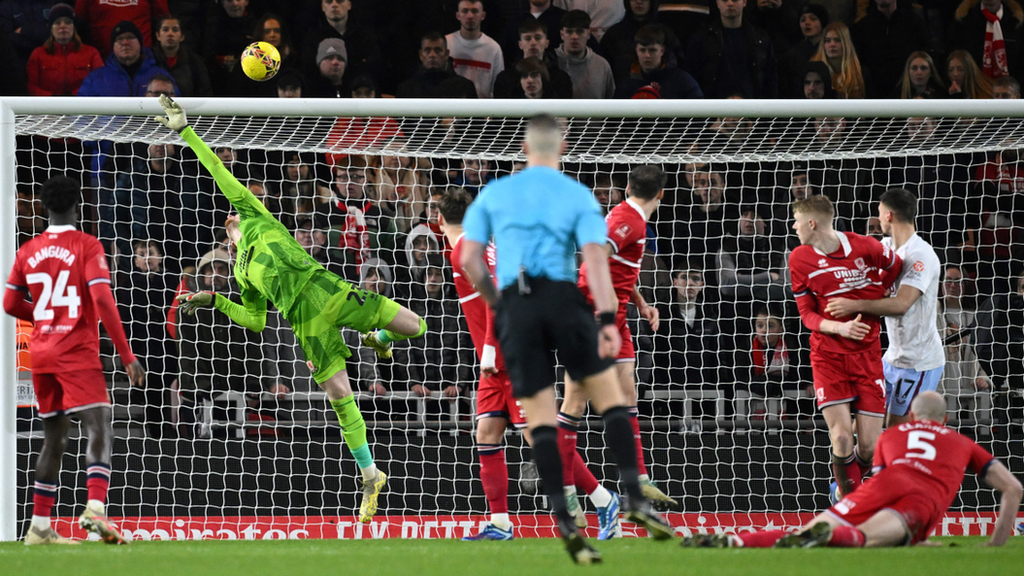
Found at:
[711, 541]
[94, 521]
[371, 491]
[576, 545]
[572, 504]
[608, 519]
[812, 537]
[659, 499]
[490, 532]
[641, 512]
[45, 536]
[383, 350]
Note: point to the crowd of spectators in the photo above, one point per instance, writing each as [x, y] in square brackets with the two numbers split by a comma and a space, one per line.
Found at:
[718, 247]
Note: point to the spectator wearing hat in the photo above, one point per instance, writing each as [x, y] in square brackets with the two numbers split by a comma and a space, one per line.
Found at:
[435, 77]
[652, 76]
[812, 21]
[817, 82]
[590, 73]
[331, 63]
[128, 69]
[885, 38]
[289, 84]
[60, 65]
[101, 17]
[533, 43]
[179, 60]
[229, 27]
[363, 55]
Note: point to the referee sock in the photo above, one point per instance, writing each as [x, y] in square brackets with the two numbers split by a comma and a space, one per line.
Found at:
[353, 428]
[387, 336]
[618, 437]
[847, 537]
[568, 427]
[549, 467]
[634, 420]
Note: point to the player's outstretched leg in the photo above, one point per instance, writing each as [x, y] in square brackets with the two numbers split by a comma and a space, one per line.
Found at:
[44, 496]
[405, 325]
[813, 536]
[96, 423]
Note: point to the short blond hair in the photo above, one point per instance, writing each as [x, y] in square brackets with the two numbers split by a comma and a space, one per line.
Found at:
[815, 206]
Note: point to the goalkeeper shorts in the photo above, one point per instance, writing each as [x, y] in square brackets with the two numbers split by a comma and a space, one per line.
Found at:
[327, 304]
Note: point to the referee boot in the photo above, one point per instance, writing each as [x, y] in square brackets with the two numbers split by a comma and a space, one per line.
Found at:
[659, 499]
[94, 521]
[641, 512]
[812, 537]
[383, 350]
[371, 492]
[576, 545]
[37, 536]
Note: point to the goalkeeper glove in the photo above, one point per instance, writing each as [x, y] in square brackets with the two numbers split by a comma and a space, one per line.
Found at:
[175, 119]
[194, 301]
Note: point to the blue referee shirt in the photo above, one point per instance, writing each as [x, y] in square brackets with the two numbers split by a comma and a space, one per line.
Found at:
[538, 218]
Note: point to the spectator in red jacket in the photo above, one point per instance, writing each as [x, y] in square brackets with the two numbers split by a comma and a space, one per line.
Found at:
[101, 16]
[58, 67]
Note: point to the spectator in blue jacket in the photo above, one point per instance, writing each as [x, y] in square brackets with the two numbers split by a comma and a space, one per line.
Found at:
[128, 69]
[652, 75]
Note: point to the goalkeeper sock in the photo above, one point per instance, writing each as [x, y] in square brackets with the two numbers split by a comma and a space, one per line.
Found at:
[618, 437]
[847, 537]
[568, 427]
[549, 467]
[387, 336]
[97, 481]
[353, 428]
[634, 420]
[494, 477]
[762, 539]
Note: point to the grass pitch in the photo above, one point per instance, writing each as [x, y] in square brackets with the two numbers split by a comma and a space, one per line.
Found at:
[958, 556]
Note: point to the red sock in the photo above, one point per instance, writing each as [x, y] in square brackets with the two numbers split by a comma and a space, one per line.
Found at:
[567, 433]
[635, 421]
[585, 480]
[44, 495]
[864, 465]
[850, 469]
[494, 476]
[762, 539]
[97, 480]
[846, 537]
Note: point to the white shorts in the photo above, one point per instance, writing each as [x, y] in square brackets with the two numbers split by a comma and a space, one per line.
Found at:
[902, 385]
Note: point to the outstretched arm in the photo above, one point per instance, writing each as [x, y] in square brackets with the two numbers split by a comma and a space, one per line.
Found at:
[998, 477]
[897, 306]
[240, 197]
[251, 314]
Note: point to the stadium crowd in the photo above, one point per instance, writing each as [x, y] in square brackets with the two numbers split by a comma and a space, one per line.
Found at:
[717, 249]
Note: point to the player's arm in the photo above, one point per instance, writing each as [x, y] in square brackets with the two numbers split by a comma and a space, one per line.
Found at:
[997, 476]
[103, 297]
[476, 269]
[599, 280]
[16, 304]
[895, 306]
[240, 197]
[647, 312]
[852, 329]
[251, 314]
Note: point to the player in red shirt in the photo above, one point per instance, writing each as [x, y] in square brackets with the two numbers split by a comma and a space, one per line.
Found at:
[627, 238]
[846, 357]
[919, 466]
[65, 272]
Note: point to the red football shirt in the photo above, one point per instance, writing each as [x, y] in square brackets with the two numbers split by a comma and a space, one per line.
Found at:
[861, 269]
[934, 455]
[627, 235]
[479, 316]
[57, 267]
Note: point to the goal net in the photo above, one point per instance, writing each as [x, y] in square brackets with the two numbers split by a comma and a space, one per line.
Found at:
[231, 438]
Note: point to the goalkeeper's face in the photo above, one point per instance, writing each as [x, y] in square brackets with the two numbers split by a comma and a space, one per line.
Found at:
[234, 232]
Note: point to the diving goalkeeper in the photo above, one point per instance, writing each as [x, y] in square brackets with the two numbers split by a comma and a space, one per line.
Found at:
[272, 266]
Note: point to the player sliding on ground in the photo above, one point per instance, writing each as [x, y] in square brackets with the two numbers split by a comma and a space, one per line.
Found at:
[627, 237]
[919, 466]
[65, 272]
[272, 266]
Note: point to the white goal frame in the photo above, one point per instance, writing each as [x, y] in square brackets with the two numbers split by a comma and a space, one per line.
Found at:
[64, 106]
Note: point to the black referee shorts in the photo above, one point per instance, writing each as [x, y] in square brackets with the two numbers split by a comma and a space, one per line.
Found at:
[554, 316]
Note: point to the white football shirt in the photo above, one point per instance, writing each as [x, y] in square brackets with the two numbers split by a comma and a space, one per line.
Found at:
[914, 341]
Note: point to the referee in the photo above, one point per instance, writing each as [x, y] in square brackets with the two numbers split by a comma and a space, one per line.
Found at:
[538, 218]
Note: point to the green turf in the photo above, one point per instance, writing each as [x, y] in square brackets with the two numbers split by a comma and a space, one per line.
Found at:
[521, 557]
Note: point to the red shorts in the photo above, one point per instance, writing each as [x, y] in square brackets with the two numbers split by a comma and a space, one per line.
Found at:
[850, 378]
[69, 392]
[626, 353]
[895, 490]
[494, 400]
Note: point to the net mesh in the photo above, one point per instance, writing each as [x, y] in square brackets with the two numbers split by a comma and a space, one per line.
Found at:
[231, 424]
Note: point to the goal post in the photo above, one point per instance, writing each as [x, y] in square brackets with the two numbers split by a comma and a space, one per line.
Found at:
[730, 452]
